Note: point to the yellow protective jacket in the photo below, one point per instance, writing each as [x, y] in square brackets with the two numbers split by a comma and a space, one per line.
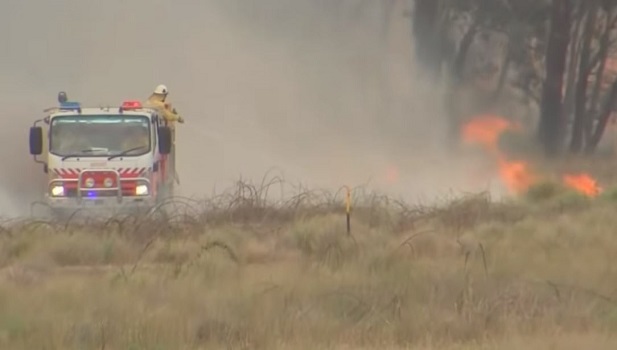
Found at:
[156, 101]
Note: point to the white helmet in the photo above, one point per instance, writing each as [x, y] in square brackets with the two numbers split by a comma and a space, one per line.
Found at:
[161, 90]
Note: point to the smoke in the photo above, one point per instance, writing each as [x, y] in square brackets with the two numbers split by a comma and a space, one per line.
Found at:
[324, 91]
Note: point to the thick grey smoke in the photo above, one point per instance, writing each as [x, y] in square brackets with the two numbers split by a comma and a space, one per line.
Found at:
[322, 90]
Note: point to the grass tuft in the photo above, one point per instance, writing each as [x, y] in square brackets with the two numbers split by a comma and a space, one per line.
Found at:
[244, 270]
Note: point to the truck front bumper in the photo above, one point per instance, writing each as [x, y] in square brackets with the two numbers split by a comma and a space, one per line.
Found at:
[106, 205]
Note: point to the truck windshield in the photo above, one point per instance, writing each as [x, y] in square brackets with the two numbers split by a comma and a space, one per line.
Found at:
[99, 135]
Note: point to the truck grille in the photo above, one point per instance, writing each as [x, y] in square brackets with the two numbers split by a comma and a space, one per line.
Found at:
[128, 189]
[98, 183]
[72, 192]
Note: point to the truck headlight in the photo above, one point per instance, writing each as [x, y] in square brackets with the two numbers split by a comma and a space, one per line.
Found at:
[108, 182]
[89, 182]
[141, 190]
[57, 191]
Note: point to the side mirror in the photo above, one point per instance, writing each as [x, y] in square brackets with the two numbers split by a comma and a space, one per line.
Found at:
[164, 140]
[36, 140]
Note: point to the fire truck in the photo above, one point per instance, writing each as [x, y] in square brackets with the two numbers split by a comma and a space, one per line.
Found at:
[110, 158]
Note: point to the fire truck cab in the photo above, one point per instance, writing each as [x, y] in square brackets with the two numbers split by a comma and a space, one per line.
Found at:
[104, 157]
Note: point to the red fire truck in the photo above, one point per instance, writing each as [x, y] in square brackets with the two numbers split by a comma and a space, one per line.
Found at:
[110, 158]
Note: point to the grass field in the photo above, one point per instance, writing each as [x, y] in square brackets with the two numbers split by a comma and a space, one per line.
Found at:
[238, 272]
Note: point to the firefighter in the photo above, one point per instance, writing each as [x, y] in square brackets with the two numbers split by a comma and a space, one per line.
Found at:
[157, 99]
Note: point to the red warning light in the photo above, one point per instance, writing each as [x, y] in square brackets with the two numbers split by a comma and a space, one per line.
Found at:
[131, 104]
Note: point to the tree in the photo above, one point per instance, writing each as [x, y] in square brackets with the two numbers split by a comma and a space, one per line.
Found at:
[557, 51]
[552, 120]
[600, 113]
[609, 107]
[584, 69]
[428, 35]
[434, 21]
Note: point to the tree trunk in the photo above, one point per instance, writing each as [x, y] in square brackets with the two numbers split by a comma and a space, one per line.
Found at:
[461, 55]
[426, 14]
[573, 59]
[551, 117]
[456, 75]
[584, 70]
[502, 78]
[607, 110]
[599, 75]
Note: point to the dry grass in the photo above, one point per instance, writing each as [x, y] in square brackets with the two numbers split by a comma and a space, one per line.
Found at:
[241, 271]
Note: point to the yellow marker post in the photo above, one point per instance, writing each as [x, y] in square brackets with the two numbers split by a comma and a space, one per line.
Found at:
[348, 209]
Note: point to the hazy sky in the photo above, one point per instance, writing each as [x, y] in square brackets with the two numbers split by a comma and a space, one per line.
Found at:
[315, 88]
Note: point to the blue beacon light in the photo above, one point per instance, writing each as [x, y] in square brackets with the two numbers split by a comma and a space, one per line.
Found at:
[70, 105]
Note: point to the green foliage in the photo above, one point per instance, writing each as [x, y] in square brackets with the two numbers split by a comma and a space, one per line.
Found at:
[609, 194]
[553, 196]
[544, 191]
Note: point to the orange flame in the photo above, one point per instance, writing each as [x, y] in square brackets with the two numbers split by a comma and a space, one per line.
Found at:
[392, 175]
[582, 183]
[486, 131]
[516, 175]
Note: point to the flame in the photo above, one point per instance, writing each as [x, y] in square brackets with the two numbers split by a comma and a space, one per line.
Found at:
[516, 175]
[582, 183]
[486, 130]
[392, 175]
